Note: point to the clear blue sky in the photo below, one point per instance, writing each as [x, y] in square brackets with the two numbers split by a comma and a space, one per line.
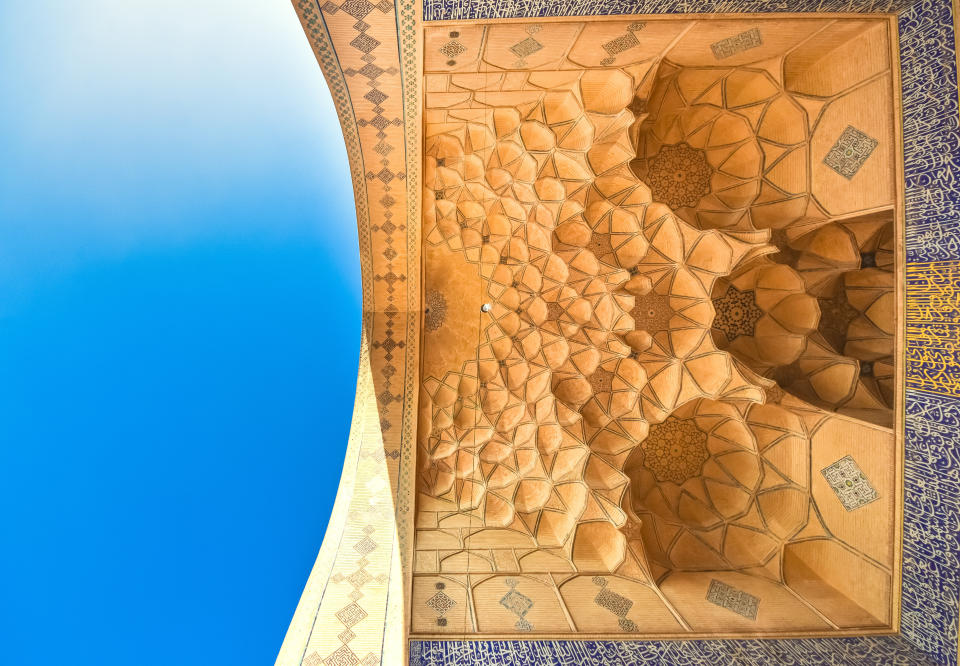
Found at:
[179, 328]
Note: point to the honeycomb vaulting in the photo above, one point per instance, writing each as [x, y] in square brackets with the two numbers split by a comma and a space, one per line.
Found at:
[675, 414]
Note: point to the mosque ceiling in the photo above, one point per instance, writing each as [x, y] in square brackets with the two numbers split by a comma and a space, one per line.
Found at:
[637, 360]
[674, 414]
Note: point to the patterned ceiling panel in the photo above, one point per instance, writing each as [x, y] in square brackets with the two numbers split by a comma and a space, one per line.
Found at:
[382, 64]
[678, 315]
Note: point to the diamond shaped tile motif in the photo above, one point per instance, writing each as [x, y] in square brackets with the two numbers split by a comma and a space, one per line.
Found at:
[517, 603]
[441, 603]
[342, 657]
[357, 8]
[616, 603]
[365, 545]
[453, 48]
[847, 480]
[526, 47]
[351, 614]
[849, 153]
[359, 578]
[365, 43]
[375, 96]
[370, 71]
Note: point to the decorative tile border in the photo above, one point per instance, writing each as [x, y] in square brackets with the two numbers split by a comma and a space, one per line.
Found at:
[931, 539]
[352, 608]
[881, 650]
[459, 10]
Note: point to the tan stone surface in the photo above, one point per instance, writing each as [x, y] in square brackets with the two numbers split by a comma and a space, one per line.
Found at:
[675, 318]
[692, 320]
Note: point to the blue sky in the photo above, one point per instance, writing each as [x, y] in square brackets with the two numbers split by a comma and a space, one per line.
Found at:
[179, 327]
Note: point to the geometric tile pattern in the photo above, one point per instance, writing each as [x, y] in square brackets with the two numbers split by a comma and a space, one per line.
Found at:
[737, 313]
[675, 450]
[459, 10]
[558, 326]
[441, 603]
[495, 146]
[435, 310]
[616, 603]
[623, 43]
[679, 175]
[528, 46]
[729, 597]
[850, 152]
[517, 603]
[745, 41]
[848, 482]
[452, 49]
[359, 48]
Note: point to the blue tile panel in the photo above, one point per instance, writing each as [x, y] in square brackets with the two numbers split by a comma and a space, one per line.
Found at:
[930, 542]
[931, 137]
[446, 10]
[880, 650]
[931, 521]
[931, 587]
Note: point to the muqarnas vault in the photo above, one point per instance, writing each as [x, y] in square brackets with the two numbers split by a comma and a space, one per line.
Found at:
[677, 415]
[637, 346]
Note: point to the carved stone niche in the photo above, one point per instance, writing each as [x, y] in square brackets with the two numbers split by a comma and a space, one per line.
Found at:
[676, 415]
